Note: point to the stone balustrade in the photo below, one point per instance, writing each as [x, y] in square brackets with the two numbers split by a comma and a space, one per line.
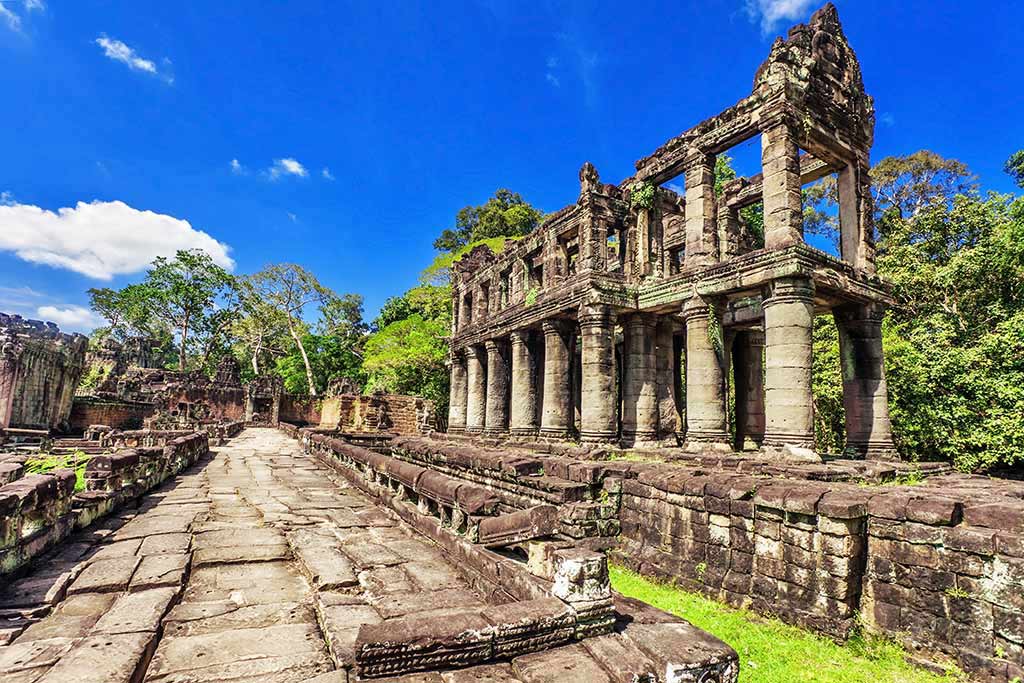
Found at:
[38, 511]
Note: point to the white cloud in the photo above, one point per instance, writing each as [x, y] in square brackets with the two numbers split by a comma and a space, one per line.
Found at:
[12, 20]
[287, 166]
[236, 167]
[552, 79]
[6, 199]
[120, 52]
[326, 173]
[100, 239]
[292, 217]
[34, 5]
[771, 12]
[71, 318]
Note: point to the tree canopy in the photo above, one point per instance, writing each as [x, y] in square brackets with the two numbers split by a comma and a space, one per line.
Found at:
[506, 214]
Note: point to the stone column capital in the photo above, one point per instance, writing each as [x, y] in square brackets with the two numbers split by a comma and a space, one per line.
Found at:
[859, 313]
[519, 337]
[639, 320]
[788, 290]
[493, 345]
[591, 315]
[554, 326]
[696, 307]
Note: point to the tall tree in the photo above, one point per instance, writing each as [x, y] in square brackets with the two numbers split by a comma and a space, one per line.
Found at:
[291, 289]
[189, 294]
[506, 214]
[261, 330]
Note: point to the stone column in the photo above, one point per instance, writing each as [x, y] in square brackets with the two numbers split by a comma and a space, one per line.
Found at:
[457, 396]
[598, 418]
[748, 364]
[476, 389]
[865, 396]
[556, 412]
[783, 207]
[640, 382]
[701, 228]
[9, 365]
[523, 412]
[705, 382]
[666, 369]
[496, 417]
[788, 331]
[857, 244]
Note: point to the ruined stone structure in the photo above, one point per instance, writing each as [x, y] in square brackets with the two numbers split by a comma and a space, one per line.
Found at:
[588, 326]
[39, 370]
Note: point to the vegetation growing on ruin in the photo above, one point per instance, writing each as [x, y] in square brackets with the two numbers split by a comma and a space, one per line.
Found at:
[506, 214]
[773, 652]
[68, 461]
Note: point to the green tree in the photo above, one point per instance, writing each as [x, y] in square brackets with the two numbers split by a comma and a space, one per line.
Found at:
[1015, 167]
[506, 214]
[290, 289]
[189, 294]
[408, 357]
[260, 332]
[329, 357]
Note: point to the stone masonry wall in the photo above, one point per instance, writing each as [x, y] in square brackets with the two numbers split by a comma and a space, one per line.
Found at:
[86, 411]
[391, 413]
[939, 566]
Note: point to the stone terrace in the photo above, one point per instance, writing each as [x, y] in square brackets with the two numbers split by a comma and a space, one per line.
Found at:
[259, 564]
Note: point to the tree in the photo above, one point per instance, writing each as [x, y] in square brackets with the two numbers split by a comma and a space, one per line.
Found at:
[261, 330]
[1015, 167]
[189, 294]
[506, 214]
[182, 293]
[329, 356]
[408, 357]
[290, 289]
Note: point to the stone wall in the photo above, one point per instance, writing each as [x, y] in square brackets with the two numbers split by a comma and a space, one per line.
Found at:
[939, 566]
[89, 410]
[39, 510]
[39, 371]
[393, 413]
[300, 410]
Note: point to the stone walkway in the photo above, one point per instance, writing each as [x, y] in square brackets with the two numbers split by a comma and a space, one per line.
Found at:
[257, 565]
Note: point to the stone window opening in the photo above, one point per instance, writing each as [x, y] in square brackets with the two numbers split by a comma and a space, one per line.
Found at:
[616, 254]
[570, 248]
[485, 299]
[504, 288]
[535, 274]
[676, 259]
[467, 305]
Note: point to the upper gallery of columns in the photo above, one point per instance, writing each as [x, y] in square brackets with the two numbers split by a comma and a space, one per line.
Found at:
[640, 246]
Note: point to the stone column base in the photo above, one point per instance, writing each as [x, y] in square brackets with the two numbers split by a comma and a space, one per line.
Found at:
[599, 437]
[872, 450]
[474, 430]
[554, 433]
[456, 430]
[523, 431]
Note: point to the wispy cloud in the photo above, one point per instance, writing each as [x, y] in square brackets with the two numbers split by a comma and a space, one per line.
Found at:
[549, 75]
[237, 168]
[12, 20]
[120, 52]
[887, 119]
[292, 217]
[326, 174]
[285, 167]
[582, 63]
[770, 12]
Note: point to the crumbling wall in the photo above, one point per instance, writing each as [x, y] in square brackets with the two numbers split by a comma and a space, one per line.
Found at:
[89, 410]
[391, 413]
[39, 371]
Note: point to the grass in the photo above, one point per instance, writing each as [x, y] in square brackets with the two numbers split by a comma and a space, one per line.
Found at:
[773, 652]
[72, 461]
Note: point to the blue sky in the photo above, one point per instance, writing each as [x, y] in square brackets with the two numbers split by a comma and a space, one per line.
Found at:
[345, 136]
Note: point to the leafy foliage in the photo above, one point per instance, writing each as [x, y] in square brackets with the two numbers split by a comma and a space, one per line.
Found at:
[642, 195]
[330, 357]
[506, 214]
[954, 341]
[1015, 167]
[408, 357]
[189, 294]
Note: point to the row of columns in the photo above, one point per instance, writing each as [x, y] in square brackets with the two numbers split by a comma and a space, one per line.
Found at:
[495, 386]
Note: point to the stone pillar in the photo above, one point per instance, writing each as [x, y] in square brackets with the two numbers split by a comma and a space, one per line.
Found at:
[598, 415]
[457, 396]
[783, 205]
[701, 228]
[666, 369]
[640, 382]
[748, 364]
[496, 417]
[523, 411]
[856, 244]
[476, 389]
[788, 332]
[865, 396]
[705, 382]
[9, 366]
[556, 414]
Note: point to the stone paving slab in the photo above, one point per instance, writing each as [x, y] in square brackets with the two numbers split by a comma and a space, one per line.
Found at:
[105, 576]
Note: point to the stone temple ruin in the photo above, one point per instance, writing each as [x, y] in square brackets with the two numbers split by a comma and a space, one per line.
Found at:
[246, 535]
[585, 327]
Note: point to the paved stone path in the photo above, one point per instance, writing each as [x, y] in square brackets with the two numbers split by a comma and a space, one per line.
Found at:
[256, 565]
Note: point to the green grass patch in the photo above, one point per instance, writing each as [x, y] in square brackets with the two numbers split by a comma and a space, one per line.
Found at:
[773, 652]
[71, 461]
